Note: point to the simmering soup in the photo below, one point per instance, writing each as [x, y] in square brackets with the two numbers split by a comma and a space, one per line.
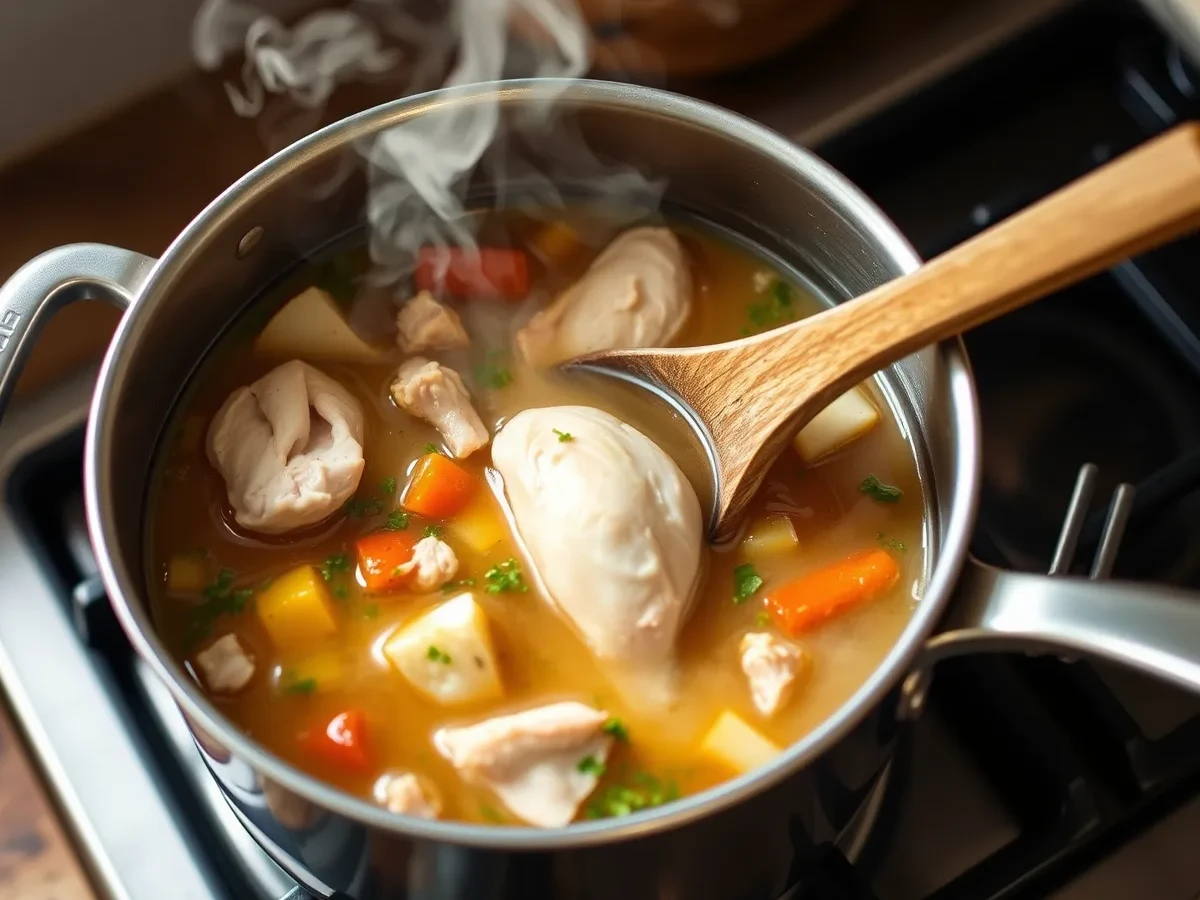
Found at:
[400, 549]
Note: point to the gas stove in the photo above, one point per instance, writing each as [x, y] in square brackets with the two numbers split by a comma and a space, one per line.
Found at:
[1025, 776]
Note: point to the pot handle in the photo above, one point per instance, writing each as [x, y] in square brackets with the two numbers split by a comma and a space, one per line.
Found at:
[48, 282]
[1151, 628]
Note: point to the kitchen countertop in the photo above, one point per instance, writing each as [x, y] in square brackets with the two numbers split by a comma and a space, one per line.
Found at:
[136, 177]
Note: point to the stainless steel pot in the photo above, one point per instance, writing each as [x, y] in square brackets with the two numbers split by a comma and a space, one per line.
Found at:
[733, 841]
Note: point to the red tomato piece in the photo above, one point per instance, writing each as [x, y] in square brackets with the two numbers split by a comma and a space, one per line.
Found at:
[341, 742]
[486, 272]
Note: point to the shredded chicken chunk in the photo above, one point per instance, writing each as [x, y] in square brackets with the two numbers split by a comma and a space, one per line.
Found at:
[424, 324]
[610, 501]
[289, 447]
[541, 763]
[226, 666]
[408, 795]
[772, 666]
[637, 293]
[433, 564]
[430, 391]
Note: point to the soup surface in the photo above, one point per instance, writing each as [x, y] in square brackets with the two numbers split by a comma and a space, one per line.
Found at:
[355, 661]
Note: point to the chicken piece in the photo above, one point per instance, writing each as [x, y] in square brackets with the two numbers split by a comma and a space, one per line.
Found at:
[772, 666]
[289, 447]
[408, 795]
[226, 666]
[433, 563]
[608, 501]
[541, 763]
[636, 293]
[424, 324]
[430, 391]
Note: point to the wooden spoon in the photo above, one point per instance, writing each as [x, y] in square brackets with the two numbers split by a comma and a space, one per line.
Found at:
[748, 398]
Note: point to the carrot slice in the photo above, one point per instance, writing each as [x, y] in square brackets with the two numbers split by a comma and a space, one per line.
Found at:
[380, 555]
[341, 742]
[490, 272]
[812, 598]
[438, 487]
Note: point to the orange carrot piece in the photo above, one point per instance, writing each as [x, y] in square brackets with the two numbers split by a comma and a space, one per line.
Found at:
[812, 598]
[438, 487]
[380, 555]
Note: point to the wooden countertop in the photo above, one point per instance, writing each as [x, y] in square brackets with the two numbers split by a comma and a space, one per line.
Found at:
[137, 177]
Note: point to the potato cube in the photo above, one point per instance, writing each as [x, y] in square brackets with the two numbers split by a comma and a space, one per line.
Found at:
[848, 417]
[296, 608]
[187, 574]
[446, 653]
[770, 536]
[481, 525]
[311, 326]
[736, 744]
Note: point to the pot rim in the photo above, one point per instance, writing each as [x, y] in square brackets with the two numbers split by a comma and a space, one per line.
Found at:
[121, 584]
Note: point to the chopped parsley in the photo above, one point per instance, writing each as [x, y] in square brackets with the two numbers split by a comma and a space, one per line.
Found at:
[504, 577]
[336, 564]
[437, 655]
[397, 520]
[451, 586]
[432, 531]
[890, 543]
[774, 307]
[494, 371]
[387, 486]
[645, 792]
[616, 728]
[877, 490]
[745, 582]
[357, 508]
[371, 611]
[221, 598]
[589, 765]
[762, 620]
[563, 436]
[303, 686]
[340, 592]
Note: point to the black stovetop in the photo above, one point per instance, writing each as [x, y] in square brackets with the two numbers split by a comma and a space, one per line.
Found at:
[1025, 771]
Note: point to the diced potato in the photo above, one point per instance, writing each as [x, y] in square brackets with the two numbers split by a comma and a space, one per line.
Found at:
[848, 417]
[446, 653]
[296, 608]
[311, 326]
[187, 574]
[315, 673]
[736, 744]
[481, 525]
[770, 536]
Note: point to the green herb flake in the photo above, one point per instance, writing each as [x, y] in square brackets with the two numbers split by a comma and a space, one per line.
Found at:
[745, 582]
[357, 508]
[589, 765]
[220, 599]
[504, 577]
[617, 729]
[432, 448]
[880, 492]
[563, 436]
[890, 543]
[623, 800]
[371, 611]
[397, 520]
[303, 686]
[335, 564]
[437, 655]
[762, 620]
[495, 372]
[387, 486]
[775, 307]
[340, 592]
[491, 814]
[451, 586]
[432, 531]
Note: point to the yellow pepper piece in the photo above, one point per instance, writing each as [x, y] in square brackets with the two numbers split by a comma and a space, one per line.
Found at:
[296, 608]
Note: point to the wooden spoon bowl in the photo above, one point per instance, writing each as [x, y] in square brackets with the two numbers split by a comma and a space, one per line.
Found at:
[748, 398]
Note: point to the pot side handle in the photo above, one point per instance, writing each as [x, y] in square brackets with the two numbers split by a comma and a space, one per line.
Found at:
[48, 282]
[1147, 627]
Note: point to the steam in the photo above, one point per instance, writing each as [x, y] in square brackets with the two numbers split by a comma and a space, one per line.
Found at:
[418, 171]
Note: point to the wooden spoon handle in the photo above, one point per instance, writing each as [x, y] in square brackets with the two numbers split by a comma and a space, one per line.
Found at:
[1140, 200]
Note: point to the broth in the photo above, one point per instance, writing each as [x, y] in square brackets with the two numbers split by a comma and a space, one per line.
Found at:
[541, 657]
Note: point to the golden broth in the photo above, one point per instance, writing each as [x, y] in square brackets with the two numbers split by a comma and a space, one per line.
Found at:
[541, 658]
